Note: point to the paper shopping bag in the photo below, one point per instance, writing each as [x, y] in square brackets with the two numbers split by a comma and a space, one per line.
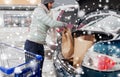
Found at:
[67, 44]
[81, 46]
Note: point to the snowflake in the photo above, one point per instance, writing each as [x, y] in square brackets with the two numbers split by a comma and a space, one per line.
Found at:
[107, 1]
[93, 3]
[118, 20]
[84, 32]
[118, 75]
[13, 7]
[51, 73]
[89, 32]
[100, 37]
[86, 6]
[81, 13]
[109, 42]
[79, 70]
[100, 5]
[8, 37]
[17, 70]
[100, 0]
[33, 72]
[68, 17]
[3, 56]
[20, 58]
[57, 61]
[114, 47]
[117, 50]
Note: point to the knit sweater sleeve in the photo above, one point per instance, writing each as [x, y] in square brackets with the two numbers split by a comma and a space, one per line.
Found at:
[41, 15]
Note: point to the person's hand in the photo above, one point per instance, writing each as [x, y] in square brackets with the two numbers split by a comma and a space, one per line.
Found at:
[65, 26]
[52, 46]
[59, 29]
[70, 26]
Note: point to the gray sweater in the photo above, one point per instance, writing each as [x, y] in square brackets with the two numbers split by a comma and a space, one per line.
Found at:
[40, 24]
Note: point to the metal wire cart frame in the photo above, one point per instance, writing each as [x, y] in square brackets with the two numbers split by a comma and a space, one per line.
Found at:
[13, 63]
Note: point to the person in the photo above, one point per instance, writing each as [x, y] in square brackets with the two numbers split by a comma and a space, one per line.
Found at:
[40, 24]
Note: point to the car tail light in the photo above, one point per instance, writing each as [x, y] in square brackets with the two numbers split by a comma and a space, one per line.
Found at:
[101, 62]
[105, 63]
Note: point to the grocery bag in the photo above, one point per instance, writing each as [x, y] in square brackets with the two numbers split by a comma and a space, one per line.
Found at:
[67, 45]
[81, 46]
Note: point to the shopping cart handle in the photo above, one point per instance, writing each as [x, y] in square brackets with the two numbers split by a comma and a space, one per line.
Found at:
[38, 57]
[7, 71]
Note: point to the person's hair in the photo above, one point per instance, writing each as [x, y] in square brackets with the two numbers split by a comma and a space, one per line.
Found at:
[46, 5]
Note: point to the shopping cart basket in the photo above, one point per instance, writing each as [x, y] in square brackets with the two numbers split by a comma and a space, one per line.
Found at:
[13, 64]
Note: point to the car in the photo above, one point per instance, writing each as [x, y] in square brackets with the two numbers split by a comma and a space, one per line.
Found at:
[103, 20]
[102, 59]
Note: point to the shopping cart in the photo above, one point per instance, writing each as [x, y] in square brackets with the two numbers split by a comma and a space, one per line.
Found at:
[13, 64]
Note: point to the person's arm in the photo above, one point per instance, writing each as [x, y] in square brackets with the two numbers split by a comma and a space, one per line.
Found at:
[47, 20]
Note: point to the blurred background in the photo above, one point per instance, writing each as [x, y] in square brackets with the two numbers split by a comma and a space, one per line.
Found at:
[15, 18]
